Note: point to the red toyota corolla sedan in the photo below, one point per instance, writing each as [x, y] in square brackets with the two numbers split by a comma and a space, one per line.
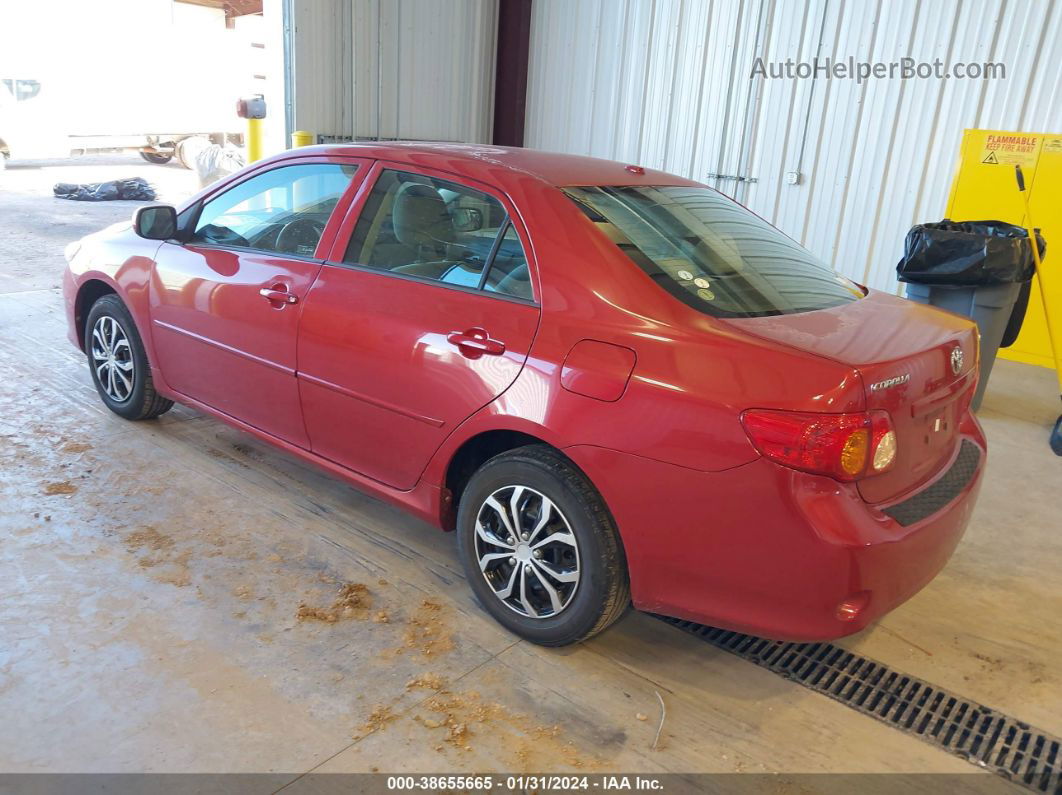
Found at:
[615, 384]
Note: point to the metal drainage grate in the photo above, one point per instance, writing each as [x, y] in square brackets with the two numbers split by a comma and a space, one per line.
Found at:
[982, 736]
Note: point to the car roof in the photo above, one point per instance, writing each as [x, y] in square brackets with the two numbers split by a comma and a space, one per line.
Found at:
[553, 168]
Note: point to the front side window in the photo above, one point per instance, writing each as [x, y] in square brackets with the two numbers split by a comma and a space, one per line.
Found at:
[284, 210]
[435, 229]
[711, 253]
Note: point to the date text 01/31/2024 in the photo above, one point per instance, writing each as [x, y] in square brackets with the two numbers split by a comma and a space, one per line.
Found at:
[487, 783]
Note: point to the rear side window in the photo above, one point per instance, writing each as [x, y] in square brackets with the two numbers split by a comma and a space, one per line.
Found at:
[283, 210]
[509, 273]
[711, 253]
[434, 229]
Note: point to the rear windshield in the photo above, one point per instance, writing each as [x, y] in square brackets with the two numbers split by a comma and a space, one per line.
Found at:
[711, 253]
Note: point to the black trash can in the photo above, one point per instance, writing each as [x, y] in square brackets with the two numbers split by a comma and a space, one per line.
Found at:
[974, 268]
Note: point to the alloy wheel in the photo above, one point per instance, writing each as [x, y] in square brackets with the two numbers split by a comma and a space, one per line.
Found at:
[527, 551]
[112, 359]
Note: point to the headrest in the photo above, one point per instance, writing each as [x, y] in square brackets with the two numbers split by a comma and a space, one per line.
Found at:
[420, 217]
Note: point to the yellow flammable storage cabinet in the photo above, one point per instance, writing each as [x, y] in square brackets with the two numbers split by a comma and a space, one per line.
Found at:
[985, 188]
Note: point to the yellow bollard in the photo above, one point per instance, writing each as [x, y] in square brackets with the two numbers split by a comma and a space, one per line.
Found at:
[253, 109]
[301, 138]
[254, 140]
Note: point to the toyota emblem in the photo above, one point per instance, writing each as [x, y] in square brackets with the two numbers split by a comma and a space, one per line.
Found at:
[956, 360]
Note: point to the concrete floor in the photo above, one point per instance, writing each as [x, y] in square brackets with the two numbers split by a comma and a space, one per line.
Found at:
[151, 577]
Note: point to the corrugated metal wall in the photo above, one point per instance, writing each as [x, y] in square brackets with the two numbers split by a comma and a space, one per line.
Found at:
[410, 69]
[322, 60]
[424, 69]
[666, 83]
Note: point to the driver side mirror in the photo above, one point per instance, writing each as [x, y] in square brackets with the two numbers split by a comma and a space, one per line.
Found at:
[155, 222]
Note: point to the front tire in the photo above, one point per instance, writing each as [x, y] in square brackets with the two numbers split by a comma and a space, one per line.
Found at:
[540, 548]
[119, 364]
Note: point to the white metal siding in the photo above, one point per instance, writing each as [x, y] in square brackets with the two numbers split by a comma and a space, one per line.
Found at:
[322, 64]
[411, 69]
[666, 84]
[424, 69]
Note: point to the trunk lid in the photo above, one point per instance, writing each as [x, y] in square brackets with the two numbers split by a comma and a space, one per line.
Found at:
[917, 363]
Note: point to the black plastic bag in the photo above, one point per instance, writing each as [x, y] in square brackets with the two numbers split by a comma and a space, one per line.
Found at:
[135, 189]
[1017, 316]
[968, 253]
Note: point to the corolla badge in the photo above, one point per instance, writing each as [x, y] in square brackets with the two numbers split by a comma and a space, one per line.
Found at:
[895, 381]
[956, 360]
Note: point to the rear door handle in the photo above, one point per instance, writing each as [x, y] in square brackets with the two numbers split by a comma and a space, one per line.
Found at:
[279, 294]
[475, 342]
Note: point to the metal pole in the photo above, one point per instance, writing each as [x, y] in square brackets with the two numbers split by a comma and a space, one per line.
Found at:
[1056, 344]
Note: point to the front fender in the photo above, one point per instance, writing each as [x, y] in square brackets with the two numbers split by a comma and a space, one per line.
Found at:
[117, 258]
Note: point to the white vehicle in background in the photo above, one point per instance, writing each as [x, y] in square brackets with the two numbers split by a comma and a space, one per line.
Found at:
[34, 125]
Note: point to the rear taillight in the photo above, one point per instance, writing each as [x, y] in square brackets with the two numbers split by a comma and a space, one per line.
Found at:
[843, 446]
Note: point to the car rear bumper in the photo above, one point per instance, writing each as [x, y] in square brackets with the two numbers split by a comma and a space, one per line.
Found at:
[771, 551]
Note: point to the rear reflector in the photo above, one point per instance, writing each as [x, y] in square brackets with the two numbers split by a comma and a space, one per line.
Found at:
[850, 608]
[843, 446]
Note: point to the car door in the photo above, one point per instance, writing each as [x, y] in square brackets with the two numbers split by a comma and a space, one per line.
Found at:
[423, 316]
[225, 305]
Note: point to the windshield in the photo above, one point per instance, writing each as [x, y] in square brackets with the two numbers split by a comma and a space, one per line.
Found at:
[711, 253]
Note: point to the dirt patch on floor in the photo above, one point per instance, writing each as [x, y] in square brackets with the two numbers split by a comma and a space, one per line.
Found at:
[466, 721]
[459, 718]
[147, 538]
[59, 487]
[75, 447]
[991, 665]
[996, 671]
[380, 716]
[156, 551]
[427, 631]
[426, 682]
[352, 601]
[175, 572]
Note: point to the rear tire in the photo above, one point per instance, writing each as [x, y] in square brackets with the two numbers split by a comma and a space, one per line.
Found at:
[570, 564]
[158, 158]
[119, 364]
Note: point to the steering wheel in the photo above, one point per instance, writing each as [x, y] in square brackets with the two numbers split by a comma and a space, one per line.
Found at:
[301, 231]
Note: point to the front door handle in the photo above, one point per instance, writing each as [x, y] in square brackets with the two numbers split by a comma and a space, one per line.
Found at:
[475, 342]
[279, 294]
